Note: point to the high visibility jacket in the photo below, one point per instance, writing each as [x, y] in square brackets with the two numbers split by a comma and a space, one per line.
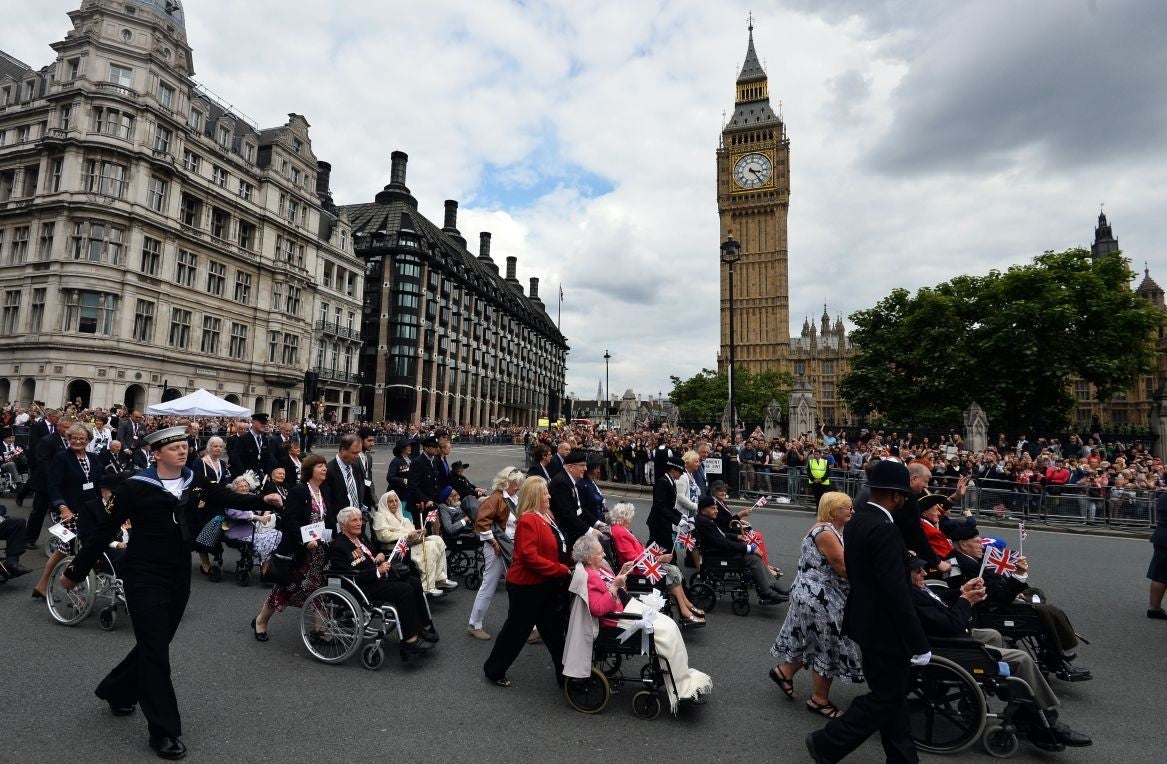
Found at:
[818, 470]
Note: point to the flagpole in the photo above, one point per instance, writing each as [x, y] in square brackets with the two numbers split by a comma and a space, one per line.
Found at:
[984, 561]
[559, 317]
[1021, 540]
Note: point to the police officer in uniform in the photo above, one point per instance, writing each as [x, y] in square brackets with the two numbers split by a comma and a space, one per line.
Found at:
[162, 501]
[818, 468]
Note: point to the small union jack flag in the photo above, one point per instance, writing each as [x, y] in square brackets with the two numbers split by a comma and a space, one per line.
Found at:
[432, 516]
[753, 537]
[653, 551]
[400, 549]
[762, 501]
[1021, 528]
[1002, 562]
[685, 539]
[652, 569]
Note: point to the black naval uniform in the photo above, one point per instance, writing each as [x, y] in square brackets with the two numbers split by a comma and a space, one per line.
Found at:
[156, 570]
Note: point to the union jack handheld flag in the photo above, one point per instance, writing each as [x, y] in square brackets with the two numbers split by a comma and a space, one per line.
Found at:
[399, 549]
[685, 539]
[1021, 528]
[762, 501]
[752, 536]
[431, 516]
[653, 551]
[652, 569]
[1003, 562]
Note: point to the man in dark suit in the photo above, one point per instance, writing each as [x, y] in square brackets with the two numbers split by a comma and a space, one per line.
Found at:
[423, 481]
[44, 424]
[540, 452]
[253, 450]
[714, 541]
[280, 440]
[567, 501]
[368, 438]
[131, 431]
[345, 484]
[881, 619]
[46, 450]
[195, 443]
[664, 513]
[660, 457]
[559, 459]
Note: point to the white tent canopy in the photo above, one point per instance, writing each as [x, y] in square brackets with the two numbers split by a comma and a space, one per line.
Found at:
[198, 403]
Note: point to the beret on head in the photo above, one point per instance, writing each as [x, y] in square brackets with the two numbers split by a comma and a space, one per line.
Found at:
[705, 501]
[962, 532]
[576, 457]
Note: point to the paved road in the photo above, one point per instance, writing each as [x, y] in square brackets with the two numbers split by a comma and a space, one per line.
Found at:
[249, 702]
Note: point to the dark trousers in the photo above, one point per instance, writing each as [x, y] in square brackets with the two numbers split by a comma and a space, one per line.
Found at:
[156, 599]
[36, 518]
[12, 534]
[530, 606]
[407, 598]
[885, 709]
[1057, 626]
[817, 490]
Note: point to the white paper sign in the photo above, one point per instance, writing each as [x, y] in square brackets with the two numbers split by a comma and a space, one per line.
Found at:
[64, 534]
[312, 532]
[713, 466]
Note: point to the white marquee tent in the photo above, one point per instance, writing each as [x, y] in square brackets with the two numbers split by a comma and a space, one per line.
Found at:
[198, 403]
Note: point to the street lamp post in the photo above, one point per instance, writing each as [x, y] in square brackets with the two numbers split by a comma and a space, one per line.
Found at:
[607, 378]
[730, 253]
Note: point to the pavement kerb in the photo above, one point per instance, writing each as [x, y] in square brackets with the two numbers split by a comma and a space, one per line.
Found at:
[984, 522]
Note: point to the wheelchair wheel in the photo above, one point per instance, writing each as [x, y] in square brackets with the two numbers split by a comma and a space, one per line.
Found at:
[702, 596]
[646, 705]
[215, 574]
[610, 663]
[243, 577]
[946, 706]
[70, 607]
[473, 580]
[999, 742]
[332, 624]
[741, 606]
[588, 695]
[107, 619]
[373, 656]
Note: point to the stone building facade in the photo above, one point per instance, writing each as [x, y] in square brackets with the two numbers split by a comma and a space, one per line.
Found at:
[153, 240]
[447, 337]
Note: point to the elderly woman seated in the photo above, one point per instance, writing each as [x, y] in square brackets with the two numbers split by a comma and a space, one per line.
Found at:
[429, 552]
[629, 548]
[239, 524]
[600, 593]
[383, 580]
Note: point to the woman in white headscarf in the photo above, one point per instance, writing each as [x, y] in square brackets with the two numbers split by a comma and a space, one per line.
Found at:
[429, 552]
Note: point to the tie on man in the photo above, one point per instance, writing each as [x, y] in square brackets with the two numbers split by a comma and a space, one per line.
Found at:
[353, 495]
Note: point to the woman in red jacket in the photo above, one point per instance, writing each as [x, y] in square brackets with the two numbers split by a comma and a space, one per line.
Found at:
[536, 584]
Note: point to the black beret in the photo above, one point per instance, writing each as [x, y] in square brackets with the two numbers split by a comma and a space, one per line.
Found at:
[576, 456]
[963, 531]
[705, 501]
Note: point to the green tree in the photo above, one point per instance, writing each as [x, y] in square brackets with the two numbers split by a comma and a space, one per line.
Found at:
[704, 396]
[1010, 341]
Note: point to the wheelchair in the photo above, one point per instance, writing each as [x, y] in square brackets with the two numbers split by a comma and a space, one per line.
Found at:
[464, 558]
[591, 694]
[718, 577]
[338, 621]
[948, 701]
[70, 607]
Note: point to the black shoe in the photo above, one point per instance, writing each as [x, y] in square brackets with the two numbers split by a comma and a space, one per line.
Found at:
[1158, 614]
[260, 636]
[1069, 737]
[20, 498]
[1071, 673]
[814, 754]
[14, 570]
[168, 747]
[1045, 740]
[769, 601]
[429, 634]
[117, 710]
[417, 647]
[778, 589]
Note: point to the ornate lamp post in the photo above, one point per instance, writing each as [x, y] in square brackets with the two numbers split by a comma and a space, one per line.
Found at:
[731, 251]
[607, 379]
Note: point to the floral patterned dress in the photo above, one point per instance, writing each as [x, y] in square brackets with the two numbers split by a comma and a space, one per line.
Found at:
[812, 632]
[306, 578]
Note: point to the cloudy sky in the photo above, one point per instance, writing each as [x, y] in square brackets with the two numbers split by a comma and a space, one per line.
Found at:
[927, 139]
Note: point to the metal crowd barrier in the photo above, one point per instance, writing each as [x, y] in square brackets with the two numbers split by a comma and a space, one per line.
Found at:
[333, 439]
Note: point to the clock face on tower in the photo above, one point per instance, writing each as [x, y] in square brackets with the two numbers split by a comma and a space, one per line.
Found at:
[752, 170]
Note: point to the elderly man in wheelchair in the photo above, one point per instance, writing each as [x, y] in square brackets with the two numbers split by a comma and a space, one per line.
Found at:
[1033, 706]
[1019, 612]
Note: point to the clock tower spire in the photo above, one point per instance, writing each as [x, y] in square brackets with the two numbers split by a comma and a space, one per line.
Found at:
[753, 196]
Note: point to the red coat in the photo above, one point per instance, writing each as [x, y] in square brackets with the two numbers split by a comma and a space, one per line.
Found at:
[937, 540]
[537, 553]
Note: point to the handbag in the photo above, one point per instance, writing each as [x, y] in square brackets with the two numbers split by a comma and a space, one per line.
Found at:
[208, 538]
[277, 569]
[506, 546]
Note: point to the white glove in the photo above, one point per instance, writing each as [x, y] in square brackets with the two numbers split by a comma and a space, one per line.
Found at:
[922, 660]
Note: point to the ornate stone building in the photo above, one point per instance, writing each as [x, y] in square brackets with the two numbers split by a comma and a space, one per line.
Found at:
[446, 337]
[153, 240]
[753, 198]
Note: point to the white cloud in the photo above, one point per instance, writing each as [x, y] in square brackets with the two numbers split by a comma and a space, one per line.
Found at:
[925, 142]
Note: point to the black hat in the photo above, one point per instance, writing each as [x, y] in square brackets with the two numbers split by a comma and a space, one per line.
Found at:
[6, 432]
[718, 485]
[401, 446]
[705, 501]
[917, 563]
[888, 475]
[963, 531]
[459, 465]
[260, 417]
[933, 500]
[575, 456]
[430, 442]
[675, 463]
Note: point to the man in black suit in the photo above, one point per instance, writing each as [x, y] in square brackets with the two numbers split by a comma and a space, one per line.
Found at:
[714, 541]
[345, 484]
[368, 438]
[559, 459]
[540, 453]
[663, 514]
[660, 457]
[881, 619]
[132, 430]
[424, 482]
[195, 443]
[253, 450]
[567, 501]
[281, 439]
[44, 424]
[46, 450]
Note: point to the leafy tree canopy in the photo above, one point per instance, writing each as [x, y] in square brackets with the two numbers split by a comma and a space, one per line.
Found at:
[1010, 341]
[704, 396]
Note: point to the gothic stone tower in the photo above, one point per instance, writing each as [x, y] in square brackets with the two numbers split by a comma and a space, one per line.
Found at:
[753, 196]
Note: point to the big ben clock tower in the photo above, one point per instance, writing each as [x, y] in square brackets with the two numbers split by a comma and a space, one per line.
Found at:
[753, 195]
